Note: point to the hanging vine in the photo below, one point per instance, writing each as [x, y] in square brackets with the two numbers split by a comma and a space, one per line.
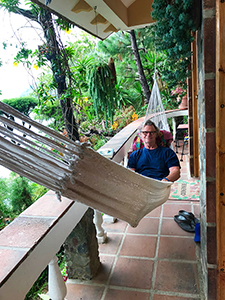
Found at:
[174, 25]
[101, 82]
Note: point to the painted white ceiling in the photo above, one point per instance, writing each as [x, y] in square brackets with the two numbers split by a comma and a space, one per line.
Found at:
[111, 15]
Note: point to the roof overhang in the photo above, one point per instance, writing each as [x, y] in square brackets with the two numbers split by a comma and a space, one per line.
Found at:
[103, 17]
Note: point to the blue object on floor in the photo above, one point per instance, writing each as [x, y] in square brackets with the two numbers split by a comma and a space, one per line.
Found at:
[197, 233]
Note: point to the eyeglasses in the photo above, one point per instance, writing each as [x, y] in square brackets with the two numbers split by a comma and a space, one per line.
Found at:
[145, 133]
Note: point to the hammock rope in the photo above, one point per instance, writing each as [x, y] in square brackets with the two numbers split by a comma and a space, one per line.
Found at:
[74, 170]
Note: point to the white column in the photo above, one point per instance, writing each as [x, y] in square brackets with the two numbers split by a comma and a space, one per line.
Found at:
[101, 233]
[109, 219]
[56, 284]
[125, 160]
[174, 128]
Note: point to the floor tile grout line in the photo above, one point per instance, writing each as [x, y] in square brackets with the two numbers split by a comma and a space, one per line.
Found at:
[114, 263]
[188, 261]
[156, 256]
[117, 287]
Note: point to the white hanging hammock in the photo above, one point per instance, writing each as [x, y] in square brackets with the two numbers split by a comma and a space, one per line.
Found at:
[74, 170]
[155, 110]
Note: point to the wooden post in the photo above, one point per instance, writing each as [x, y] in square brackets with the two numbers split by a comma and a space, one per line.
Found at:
[220, 146]
[195, 107]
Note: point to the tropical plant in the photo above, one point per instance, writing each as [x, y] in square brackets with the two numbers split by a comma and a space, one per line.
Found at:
[102, 90]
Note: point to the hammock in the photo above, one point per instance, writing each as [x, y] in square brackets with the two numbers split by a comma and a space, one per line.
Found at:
[156, 113]
[155, 110]
[74, 170]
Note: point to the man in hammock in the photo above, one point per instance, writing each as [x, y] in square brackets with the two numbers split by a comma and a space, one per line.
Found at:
[154, 161]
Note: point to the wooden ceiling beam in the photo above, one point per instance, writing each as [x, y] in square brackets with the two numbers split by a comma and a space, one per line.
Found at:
[111, 28]
[81, 6]
[99, 19]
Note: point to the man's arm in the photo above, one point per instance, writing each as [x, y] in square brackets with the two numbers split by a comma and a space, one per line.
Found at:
[173, 175]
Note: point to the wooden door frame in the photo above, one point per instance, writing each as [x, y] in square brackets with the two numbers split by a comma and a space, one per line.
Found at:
[220, 146]
[195, 133]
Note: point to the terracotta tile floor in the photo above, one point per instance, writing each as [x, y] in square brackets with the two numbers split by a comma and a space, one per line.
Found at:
[157, 260]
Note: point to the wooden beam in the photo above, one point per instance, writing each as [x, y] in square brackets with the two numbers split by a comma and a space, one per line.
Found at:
[81, 6]
[220, 146]
[195, 107]
[111, 28]
[99, 19]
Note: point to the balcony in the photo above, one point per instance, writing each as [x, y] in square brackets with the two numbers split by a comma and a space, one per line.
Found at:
[156, 260]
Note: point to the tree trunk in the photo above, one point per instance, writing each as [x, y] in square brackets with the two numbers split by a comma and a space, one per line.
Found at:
[142, 78]
[55, 57]
[54, 54]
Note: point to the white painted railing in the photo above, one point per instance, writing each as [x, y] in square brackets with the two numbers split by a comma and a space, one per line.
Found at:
[21, 273]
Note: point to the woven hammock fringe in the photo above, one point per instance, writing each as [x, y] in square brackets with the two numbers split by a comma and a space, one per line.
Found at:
[74, 170]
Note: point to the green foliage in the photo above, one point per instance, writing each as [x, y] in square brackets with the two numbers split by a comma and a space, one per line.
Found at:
[23, 55]
[4, 209]
[9, 5]
[16, 194]
[129, 89]
[39, 285]
[169, 101]
[37, 191]
[102, 90]
[99, 141]
[22, 104]
[173, 35]
[20, 195]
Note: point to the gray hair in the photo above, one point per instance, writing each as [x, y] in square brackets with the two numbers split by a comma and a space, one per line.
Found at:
[150, 123]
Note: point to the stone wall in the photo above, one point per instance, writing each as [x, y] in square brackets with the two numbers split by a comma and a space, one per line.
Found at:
[81, 249]
[207, 145]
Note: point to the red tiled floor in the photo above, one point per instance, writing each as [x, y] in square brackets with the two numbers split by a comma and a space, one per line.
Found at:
[133, 273]
[116, 294]
[146, 226]
[155, 213]
[177, 277]
[143, 246]
[172, 209]
[177, 248]
[104, 270]
[119, 226]
[170, 227]
[154, 261]
[112, 244]
[84, 292]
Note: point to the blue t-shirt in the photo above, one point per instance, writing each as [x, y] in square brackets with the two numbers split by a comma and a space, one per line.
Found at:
[153, 163]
